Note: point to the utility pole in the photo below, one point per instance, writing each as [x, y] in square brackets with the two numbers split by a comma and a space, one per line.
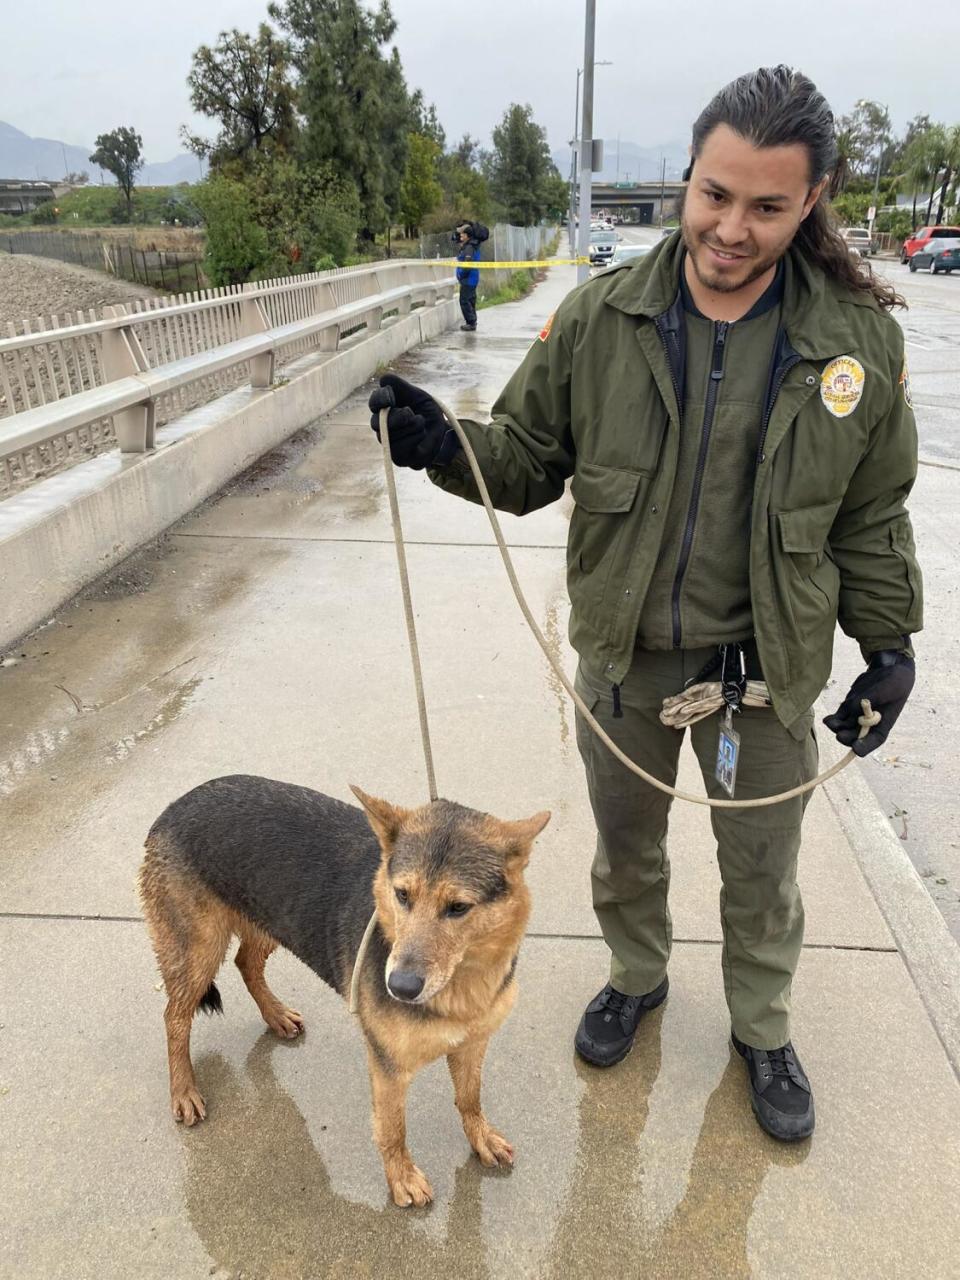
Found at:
[572, 231]
[663, 175]
[586, 140]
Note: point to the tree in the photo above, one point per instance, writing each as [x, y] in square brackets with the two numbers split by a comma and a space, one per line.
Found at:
[77, 179]
[120, 153]
[466, 192]
[310, 214]
[934, 151]
[916, 158]
[420, 191]
[242, 83]
[951, 162]
[520, 166]
[353, 100]
[236, 243]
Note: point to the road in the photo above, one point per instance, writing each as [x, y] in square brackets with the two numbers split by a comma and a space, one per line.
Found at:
[916, 776]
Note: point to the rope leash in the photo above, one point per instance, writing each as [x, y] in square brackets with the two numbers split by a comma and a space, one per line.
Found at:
[684, 709]
[866, 721]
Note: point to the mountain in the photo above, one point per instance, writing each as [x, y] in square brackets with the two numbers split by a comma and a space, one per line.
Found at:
[637, 164]
[24, 157]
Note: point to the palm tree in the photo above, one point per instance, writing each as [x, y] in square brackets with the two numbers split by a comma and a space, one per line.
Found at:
[935, 140]
[917, 171]
[951, 161]
[846, 155]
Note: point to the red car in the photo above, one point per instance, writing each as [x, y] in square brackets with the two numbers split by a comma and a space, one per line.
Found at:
[921, 240]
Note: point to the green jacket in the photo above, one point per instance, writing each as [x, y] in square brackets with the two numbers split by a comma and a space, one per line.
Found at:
[596, 399]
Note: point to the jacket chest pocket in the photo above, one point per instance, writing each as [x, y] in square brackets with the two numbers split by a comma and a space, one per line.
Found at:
[604, 497]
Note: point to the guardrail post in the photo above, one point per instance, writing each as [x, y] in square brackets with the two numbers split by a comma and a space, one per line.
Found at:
[121, 356]
[253, 320]
[325, 300]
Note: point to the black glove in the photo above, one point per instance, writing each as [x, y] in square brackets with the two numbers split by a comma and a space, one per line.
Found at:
[420, 435]
[886, 682]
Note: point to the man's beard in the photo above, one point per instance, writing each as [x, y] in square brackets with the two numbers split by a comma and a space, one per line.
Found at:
[719, 283]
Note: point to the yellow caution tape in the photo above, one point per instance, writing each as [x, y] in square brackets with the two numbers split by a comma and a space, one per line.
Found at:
[514, 266]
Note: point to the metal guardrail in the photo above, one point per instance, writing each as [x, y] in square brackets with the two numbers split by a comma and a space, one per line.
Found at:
[79, 388]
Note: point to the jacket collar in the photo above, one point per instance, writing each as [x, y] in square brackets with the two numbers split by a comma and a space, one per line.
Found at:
[813, 308]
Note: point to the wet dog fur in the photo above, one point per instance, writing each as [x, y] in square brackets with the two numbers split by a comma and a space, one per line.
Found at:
[281, 865]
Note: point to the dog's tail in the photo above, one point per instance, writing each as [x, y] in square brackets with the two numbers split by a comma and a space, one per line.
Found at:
[210, 1001]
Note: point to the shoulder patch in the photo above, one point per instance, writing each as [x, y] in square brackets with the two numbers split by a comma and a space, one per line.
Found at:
[841, 385]
[544, 333]
[905, 383]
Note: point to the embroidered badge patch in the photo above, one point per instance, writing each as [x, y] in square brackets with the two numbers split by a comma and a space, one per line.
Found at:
[841, 385]
[544, 333]
[905, 383]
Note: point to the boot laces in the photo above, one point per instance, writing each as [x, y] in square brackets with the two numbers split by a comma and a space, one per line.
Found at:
[614, 1000]
[779, 1060]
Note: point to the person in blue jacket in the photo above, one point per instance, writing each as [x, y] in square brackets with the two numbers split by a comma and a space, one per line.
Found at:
[468, 277]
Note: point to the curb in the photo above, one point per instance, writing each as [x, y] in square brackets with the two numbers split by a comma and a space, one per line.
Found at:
[923, 940]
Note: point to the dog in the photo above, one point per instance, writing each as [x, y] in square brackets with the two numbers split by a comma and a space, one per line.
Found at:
[282, 865]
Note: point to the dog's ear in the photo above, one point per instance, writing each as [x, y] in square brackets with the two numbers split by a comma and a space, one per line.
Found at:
[517, 837]
[385, 819]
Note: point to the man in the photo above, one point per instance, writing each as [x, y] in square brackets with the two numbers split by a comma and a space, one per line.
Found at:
[735, 413]
[468, 277]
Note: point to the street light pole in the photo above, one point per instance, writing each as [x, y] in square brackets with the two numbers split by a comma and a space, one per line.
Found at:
[571, 232]
[586, 140]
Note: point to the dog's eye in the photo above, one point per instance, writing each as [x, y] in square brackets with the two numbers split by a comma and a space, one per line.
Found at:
[458, 908]
[402, 896]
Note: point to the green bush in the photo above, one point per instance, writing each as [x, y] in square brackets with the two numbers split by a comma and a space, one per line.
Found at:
[45, 215]
[237, 246]
[899, 223]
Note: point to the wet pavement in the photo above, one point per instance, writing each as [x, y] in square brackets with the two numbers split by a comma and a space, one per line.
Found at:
[264, 634]
[916, 776]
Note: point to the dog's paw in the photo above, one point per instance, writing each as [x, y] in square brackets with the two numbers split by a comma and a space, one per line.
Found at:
[286, 1023]
[491, 1147]
[410, 1187]
[188, 1107]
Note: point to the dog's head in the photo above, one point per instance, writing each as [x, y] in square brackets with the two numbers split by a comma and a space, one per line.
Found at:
[449, 890]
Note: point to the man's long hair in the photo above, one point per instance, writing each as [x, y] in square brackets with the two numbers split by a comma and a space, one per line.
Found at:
[780, 107]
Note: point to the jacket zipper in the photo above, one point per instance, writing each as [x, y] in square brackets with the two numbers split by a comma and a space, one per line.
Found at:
[768, 412]
[721, 329]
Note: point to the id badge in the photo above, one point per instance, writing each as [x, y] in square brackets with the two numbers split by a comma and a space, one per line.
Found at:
[728, 755]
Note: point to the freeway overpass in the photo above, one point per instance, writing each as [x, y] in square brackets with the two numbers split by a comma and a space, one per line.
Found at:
[641, 198]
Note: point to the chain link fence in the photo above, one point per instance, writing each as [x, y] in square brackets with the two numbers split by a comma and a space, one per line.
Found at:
[506, 244]
[160, 269]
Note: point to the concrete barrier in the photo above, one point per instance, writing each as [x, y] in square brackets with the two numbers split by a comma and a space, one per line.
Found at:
[64, 532]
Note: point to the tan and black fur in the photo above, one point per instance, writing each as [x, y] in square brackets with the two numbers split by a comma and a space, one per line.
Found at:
[280, 865]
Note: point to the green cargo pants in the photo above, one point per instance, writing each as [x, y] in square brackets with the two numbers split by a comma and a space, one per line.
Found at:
[760, 908]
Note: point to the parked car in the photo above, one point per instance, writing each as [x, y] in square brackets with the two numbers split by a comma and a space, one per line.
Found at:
[626, 252]
[859, 240]
[941, 254]
[602, 246]
[921, 239]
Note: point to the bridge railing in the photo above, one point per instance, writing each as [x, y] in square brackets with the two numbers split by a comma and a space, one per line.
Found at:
[78, 388]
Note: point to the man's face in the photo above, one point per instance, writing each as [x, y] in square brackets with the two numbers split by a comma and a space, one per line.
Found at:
[743, 207]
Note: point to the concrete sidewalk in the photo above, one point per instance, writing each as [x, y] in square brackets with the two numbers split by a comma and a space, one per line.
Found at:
[264, 634]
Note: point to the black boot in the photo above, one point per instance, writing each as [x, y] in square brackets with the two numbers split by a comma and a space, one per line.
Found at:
[610, 1021]
[779, 1091]
[468, 328]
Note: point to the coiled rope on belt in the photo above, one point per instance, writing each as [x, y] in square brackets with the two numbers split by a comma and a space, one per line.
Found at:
[866, 720]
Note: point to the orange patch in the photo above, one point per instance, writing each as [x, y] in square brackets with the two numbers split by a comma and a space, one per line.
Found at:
[544, 333]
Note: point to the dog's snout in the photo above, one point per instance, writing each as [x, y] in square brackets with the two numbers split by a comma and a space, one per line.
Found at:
[405, 984]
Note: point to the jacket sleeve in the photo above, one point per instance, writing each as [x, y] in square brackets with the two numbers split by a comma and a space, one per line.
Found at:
[526, 453]
[881, 594]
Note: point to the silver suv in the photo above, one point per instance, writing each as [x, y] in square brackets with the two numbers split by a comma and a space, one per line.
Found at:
[858, 240]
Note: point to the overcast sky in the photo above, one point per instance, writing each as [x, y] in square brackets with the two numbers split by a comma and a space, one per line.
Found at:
[71, 71]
